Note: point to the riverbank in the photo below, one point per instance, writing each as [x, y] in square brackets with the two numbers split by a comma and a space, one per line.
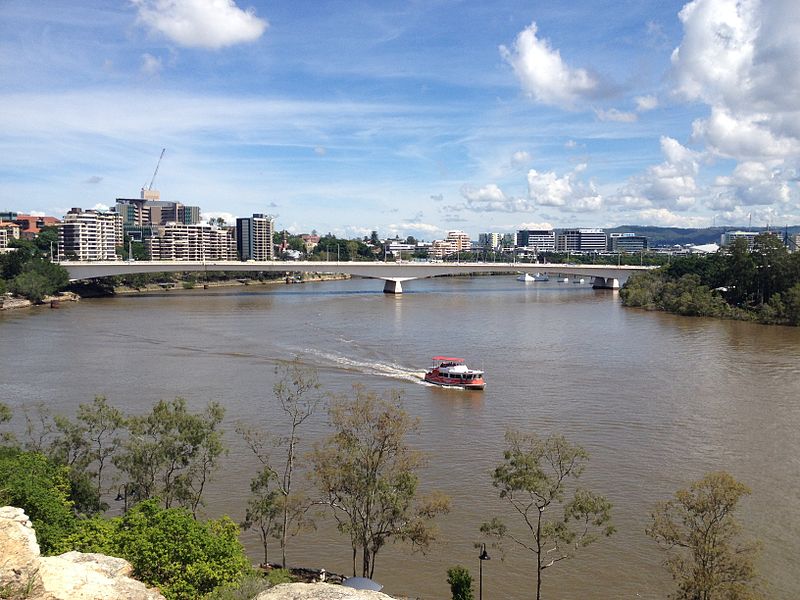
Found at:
[194, 284]
[15, 302]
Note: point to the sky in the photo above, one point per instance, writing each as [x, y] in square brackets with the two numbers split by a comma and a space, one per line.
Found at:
[409, 118]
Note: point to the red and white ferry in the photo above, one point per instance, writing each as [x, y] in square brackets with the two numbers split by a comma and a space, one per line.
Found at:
[453, 372]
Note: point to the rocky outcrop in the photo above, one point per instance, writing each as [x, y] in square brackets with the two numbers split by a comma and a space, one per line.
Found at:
[318, 591]
[24, 573]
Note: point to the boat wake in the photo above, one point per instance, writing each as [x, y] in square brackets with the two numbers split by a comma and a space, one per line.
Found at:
[390, 370]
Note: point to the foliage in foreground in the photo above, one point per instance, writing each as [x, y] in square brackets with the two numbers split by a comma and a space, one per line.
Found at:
[28, 272]
[460, 583]
[700, 534]
[533, 480]
[168, 548]
[367, 474]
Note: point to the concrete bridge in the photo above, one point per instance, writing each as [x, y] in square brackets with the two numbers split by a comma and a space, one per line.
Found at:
[393, 273]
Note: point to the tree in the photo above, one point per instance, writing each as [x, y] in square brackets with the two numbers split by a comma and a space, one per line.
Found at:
[5, 416]
[263, 509]
[698, 530]
[171, 453]
[533, 480]
[297, 391]
[374, 239]
[366, 473]
[41, 487]
[460, 583]
[170, 549]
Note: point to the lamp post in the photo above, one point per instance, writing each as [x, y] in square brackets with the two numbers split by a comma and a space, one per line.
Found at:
[481, 557]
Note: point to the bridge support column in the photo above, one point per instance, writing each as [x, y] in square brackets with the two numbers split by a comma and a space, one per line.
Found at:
[605, 283]
[392, 286]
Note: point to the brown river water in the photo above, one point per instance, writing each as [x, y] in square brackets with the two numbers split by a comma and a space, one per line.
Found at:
[657, 400]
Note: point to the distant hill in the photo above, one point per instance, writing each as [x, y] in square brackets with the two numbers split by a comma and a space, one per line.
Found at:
[669, 236]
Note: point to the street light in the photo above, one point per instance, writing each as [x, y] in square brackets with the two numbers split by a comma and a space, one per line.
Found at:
[481, 557]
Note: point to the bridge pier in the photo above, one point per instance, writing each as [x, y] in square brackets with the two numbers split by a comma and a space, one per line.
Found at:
[392, 286]
[605, 283]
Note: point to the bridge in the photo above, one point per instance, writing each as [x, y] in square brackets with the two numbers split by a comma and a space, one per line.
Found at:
[392, 273]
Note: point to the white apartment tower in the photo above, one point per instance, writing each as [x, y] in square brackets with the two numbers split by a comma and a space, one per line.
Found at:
[201, 242]
[254, 237]
[89, 235]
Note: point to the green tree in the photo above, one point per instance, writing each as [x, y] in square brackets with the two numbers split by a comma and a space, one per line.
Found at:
[698, 530]
[263, 509]
[5, 416]
[460, 583]
[31, 481]
[791, 304]
[297, 391]
[171, 453]
[39, 278]
[367, 474]
[533, 480]
[168, 548]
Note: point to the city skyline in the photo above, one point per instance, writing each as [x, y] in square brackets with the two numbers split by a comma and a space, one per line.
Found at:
[407, 119]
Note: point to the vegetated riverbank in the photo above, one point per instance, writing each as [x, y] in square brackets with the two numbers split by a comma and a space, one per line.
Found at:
[105, 287]
[760, 285]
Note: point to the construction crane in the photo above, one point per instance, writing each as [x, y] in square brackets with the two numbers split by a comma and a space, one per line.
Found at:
[158, 164]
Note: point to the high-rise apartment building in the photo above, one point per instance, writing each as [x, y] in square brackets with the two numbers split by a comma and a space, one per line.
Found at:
[199, 242]
[581, 240]
[490, 241]
[89, 235]
[254, 237]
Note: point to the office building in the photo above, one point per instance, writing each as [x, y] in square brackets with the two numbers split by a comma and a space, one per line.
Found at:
[490, 241]
[89, 235]
[581, 240]
[626, 242]
[254, 237]
[536, 240]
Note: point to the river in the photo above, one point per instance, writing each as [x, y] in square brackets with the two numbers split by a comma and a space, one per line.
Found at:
[657, 400]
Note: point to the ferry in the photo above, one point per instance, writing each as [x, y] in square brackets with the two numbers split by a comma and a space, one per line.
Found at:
[453, 372]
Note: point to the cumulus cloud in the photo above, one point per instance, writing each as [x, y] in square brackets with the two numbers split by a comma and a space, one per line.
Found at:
[201, 23]
[520, 158]
[151, 65]
[490, 198]
[543, 74]
[544, 225]
[666, 218]
[100, 206]
[567, 192]
[739, 57]
[671, 184]
[618, 116]
[645, 103]
[417, 229]
[229, 218]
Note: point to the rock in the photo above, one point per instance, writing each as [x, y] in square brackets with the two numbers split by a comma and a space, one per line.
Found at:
[318, 591]
[24, 573]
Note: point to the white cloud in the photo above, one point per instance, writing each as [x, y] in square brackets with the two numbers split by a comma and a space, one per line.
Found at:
[645, 103]
[567, 192]
[100, 206]
[490, 198]
[665, 218]
[230, 218]
[520, 158]
[618, 116]
[201, 23]
[417, 229]
[320, 151]
[671, 184]
[544, 225]
[542, 72]
[754, 183]
[151, 65]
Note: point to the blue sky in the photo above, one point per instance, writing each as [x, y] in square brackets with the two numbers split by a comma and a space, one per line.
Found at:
[411, 118]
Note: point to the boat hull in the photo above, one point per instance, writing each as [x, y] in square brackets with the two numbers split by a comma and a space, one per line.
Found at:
[477, 384]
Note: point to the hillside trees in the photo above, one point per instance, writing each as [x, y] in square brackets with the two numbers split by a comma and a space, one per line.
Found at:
[699, 532]
[367, 474]
[533, 479]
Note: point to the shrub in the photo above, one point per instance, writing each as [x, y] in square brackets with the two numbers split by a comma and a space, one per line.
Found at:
[460, 583]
